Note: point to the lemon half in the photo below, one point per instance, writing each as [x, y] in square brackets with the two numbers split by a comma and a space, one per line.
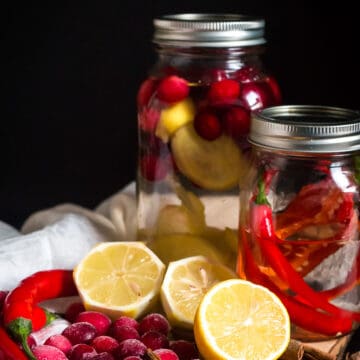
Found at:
[119, 278]
[237, 319]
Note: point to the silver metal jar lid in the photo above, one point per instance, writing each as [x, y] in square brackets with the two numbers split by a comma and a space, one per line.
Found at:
[306, 129]
[209, 30]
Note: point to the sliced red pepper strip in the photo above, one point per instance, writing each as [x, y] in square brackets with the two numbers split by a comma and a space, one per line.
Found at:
[315, 204]
[21, 313]
[302, 315]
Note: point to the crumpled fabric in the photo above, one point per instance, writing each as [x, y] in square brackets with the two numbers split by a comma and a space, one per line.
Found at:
[59, 237]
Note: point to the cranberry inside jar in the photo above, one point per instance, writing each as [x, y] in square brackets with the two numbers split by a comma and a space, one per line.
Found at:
[194, 115]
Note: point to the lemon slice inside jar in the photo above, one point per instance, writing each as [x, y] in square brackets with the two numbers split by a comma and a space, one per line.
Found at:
[212, 165]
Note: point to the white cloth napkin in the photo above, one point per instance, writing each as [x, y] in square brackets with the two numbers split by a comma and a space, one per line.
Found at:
[60, 236]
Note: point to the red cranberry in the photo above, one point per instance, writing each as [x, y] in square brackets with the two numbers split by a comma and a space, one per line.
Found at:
[124, 332]
[80, 333]
[101, 321]
[256, 95]
[154, 340]
[77, 352]
[146, 90]
[173, 89]
[224, 90]
[236, 122]
[154, 321]
[45, 352]
[59, 341]
[166, 354]
[127, 321]
[207, 125]
[154, 168]
[105, 343]
[130, 347]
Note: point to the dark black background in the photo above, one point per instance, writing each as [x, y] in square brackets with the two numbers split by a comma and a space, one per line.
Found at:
[70, 72]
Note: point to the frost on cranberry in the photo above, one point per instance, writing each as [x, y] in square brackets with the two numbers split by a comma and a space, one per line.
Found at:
[80, 332]
[47, 352]
[154, 340]
[127, 321]
[185, 350]
[224, 91]
[236, 122]
[156, 322]
[79, 350]
[101, 356]
[101, 321]
[105, 343]
[124, 332]
[207, 125]
[130, 347]
[172, 89]
[59, 341]
[166, 354]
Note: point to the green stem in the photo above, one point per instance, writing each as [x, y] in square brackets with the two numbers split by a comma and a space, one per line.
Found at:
[21, 328]
[261, 196]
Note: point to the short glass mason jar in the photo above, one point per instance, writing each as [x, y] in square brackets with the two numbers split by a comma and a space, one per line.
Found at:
[194, 116]
[299, 216]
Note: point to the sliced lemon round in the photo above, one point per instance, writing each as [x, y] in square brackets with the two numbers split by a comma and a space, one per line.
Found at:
[213, 165]
[185, 283]
[237, 319]
[119, 278]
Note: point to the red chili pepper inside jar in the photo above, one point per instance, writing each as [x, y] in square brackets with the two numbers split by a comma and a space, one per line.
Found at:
[194, 116]
[299, 216]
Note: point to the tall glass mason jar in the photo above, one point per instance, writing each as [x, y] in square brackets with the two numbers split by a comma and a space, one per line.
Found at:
[194, 116]
[299, 216]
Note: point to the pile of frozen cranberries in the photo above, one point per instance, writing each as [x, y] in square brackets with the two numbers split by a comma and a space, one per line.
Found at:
[92, 335]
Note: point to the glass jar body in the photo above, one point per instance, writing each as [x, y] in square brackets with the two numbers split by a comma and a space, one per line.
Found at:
[299, 236]
[194, 116]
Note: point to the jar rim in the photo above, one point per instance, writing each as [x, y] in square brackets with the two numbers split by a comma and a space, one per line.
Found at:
[306, 128]
[209, 30]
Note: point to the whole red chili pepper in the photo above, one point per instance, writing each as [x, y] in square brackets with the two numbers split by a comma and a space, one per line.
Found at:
[8, 348]
[302, 315]
[21, 312]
